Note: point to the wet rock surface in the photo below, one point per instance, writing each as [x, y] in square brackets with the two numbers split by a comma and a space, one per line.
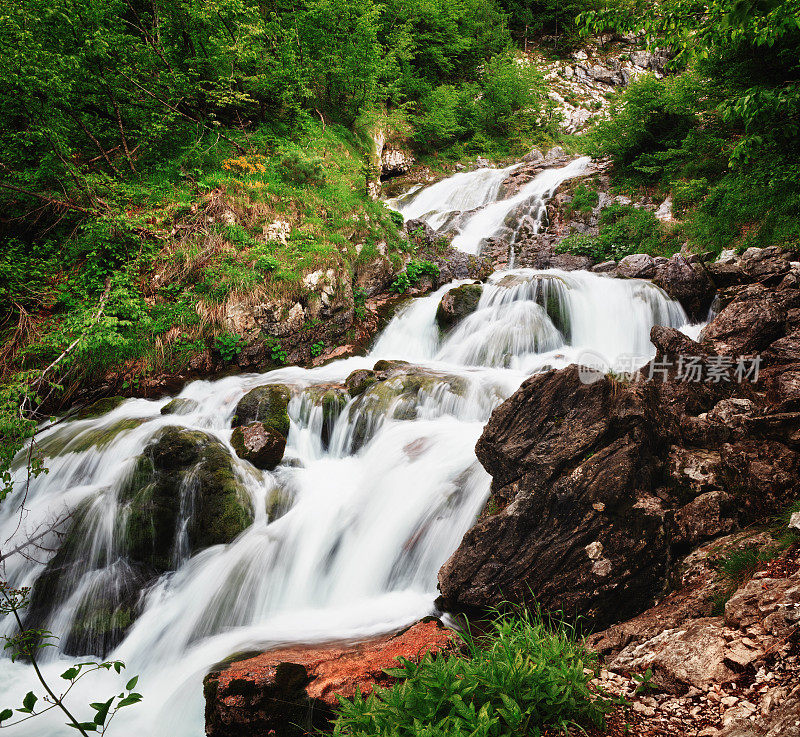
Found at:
[293, 690]
[181, 497]
[261, 445]
[457, 304]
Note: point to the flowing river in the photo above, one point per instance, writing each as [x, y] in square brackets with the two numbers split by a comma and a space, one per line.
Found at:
[373, 512]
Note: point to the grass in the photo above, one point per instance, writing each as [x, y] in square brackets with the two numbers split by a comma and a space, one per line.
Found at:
[186, 244]
[524, 675]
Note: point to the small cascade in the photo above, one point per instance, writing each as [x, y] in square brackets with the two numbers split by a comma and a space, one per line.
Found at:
[439, 204]
[345, 537]
[528, 203]
[467, 204]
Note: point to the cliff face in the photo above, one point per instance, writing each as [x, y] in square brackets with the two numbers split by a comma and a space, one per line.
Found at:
[602, 486]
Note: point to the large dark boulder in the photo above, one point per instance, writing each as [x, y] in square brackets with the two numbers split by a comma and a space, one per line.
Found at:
[457, 303]
[578, 528]
[688, 283]
[598, 488]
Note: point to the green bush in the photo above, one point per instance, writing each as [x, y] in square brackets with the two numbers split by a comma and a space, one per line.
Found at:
[687, 194]
[624, 229]
[412, 274]
[297, 169]
[647, 130]
[583, 199]
[524, 676]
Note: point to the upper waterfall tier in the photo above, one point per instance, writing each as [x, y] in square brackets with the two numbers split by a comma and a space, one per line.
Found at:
[468, 203]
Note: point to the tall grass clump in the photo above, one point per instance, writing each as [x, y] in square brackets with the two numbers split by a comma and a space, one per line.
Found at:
[525, 675]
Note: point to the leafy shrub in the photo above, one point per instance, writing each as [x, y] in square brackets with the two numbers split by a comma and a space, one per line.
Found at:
[276, 351]
[649, 124]
[624, 229]
[686, 194]
[583, 199]
[412, 274]
[297, 169]
[228, 346]
[522, 677]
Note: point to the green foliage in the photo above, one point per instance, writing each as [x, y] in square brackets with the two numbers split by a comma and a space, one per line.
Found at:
[731, 118]
[688, 194]
[317, 348]
[276, 351]
[525, 675]
[228, 345]
[297, 169]
[412, 274]
[509, 104]
[583, 199]
[624, 229]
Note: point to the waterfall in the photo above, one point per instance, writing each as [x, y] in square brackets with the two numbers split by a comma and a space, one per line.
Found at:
[371, 504]
[468, 203]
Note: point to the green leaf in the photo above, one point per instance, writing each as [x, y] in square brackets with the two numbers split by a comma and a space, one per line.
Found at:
[130, 685]
[29, 702]
[70, 674]
[6, 714]
[102, 711]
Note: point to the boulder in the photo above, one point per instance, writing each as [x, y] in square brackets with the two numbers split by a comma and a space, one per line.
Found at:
[293, 691]
[265, 404]
[359, 380]
[753, 317]
[457, 303]
[637, 266]
[180, 406]
[572, 469]
[96, 409]
[694, 655]
[262, 446]
[177, 464]
[687, 283]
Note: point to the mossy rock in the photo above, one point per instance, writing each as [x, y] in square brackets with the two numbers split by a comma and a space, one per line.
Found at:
[98, 408]
[359, 381]
[267, 405]
[397, 398]
[262, 446]
[180, 406]
[278, 502]
[457, 304]
[66, 440]
[179, 462]
[108, 608]
[333, 403]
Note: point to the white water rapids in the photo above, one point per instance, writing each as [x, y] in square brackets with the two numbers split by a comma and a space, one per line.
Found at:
[366, 532]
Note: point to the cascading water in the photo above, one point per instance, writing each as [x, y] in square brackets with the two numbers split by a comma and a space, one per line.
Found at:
[448, 204]
[372, 503]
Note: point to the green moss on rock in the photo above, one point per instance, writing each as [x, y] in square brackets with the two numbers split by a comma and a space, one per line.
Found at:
[267, 405]
[180, 406]
[457, 303]
[98, 408]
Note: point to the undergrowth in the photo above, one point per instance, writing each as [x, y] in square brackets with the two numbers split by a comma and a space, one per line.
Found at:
[526, 674]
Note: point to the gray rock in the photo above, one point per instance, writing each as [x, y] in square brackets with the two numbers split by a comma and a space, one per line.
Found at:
[637, 266]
